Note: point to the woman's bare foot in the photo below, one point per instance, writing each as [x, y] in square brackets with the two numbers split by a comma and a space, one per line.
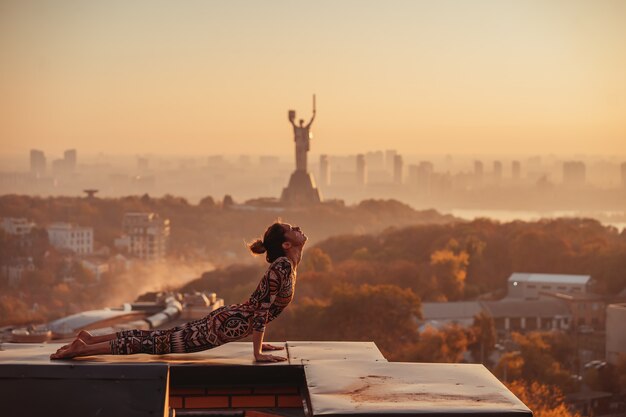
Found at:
[69, 351]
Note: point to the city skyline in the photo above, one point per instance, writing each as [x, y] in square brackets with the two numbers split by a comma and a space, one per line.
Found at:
[484, 77]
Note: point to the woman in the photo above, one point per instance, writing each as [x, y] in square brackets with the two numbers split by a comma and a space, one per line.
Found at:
[283, 244]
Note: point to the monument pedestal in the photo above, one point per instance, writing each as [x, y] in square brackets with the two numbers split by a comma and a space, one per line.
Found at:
[301, 189]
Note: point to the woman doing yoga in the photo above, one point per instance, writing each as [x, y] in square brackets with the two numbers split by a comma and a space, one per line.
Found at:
[283, 244]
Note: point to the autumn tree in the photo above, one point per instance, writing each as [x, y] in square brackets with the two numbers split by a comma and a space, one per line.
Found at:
[446, 345]
[384, 314]
[449, 270]
[534, 361]
[484, 337]
[316, 260]
[543, 400]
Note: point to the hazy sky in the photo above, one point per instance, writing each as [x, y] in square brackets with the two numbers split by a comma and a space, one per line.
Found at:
[207, 77]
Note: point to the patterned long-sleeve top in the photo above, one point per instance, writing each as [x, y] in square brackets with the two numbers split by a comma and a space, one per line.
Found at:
[273, 294]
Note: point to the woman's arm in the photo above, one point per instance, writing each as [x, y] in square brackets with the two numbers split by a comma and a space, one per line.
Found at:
[257, 347]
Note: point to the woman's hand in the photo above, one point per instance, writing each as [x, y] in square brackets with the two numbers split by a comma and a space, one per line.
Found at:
[267, 346]
[269, 358]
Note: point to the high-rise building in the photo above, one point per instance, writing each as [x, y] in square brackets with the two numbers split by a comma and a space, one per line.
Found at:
[324, 171]
[478, 172]
[375, 161]
[70, 159]
[390, 155]
[398, 166]
[497, 171]
[37, 163]
[574, 173]
[148, 235]
[516, 171]
[421, 176]
[361, 172]
[623, 170]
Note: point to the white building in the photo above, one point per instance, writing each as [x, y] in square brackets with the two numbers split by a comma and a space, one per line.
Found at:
[528, 286]
[72, 237]
[148, 234]
[16, 226]
[615, 334]
[15, 269]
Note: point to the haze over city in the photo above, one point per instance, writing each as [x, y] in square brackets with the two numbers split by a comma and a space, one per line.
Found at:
[455, 169]
[422, 77]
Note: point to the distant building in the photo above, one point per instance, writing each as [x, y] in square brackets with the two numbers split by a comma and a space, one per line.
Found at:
[587, 310]
[148, 235]
[59, 167]
[574, 173]
[70, 159]
[217, 161]
[375, 160]
[479, 171]
[528, 315]
[615, 334]
[68, 236]
[37, 163]
[497, 171]
[13, 271]
[398, 168]
[516, 170]
[438, 315]
[421, 175]
[528, 286]
[390, 155]
[324, 171]
[16, 226]
[361, 170]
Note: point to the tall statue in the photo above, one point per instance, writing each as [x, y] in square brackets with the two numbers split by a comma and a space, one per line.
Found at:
[302, 137]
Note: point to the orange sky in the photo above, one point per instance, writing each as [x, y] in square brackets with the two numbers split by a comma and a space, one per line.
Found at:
[204, 77]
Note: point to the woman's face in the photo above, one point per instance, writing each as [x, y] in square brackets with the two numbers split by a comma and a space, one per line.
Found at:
[294, 235]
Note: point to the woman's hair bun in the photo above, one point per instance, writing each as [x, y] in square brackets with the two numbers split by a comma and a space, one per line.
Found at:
[257, 247]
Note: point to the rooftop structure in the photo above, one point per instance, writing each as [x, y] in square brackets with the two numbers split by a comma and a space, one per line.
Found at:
[318, 379]
[150, 311]
[528, 286]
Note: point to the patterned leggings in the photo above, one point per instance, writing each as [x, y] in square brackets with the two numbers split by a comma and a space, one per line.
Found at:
[191, 337]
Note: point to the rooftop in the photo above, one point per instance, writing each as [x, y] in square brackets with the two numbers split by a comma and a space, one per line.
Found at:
[329, 379]
[550, 278]
[509, 307]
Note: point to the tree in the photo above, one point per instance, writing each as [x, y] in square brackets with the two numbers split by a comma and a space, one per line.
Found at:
[485, 337]
[450, 271]
[316, 260]
[384, 314]
[543, 400]
[535, 360]
[446, 345]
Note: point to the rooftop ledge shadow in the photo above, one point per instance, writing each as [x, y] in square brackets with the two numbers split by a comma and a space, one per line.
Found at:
[335, 379]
